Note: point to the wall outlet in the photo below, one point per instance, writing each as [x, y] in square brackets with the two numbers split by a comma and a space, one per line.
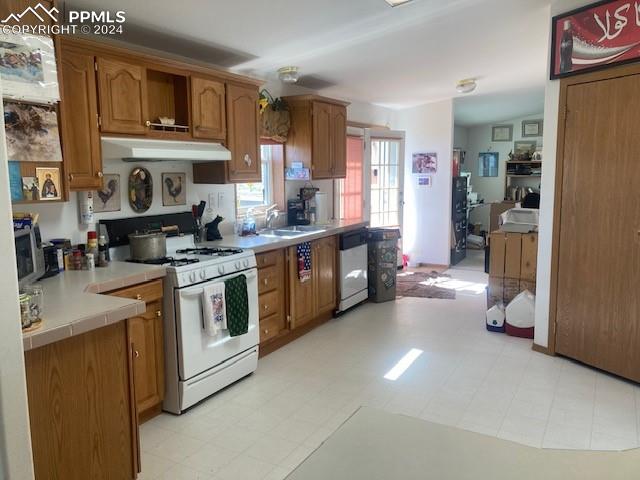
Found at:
[212, 200]
[222, 200]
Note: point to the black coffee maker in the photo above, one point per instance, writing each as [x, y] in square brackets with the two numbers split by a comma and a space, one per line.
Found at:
[297, 212]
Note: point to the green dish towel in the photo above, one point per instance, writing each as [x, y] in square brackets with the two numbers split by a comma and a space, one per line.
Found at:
[237, 301]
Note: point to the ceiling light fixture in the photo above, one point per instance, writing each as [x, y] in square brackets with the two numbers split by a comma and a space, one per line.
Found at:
[467, 85]
[397, 3]
[288, 74]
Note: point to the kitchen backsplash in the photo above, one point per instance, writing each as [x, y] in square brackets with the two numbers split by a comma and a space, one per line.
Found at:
[62, 219]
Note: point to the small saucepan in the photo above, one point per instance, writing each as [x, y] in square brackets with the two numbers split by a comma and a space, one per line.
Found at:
[147, 246]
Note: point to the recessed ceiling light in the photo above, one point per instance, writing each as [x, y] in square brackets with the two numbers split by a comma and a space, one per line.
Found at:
[397, 3]
[288, 74]
[467, 85]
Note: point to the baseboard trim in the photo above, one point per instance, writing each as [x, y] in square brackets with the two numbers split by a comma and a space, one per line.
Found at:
[541, 349]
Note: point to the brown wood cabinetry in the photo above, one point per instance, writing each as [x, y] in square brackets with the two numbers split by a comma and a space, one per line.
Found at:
[208, 109]
[318, 135]
[122, 89]
[145, 334]
[79, 120]
[271, 291]
[81, 407]
[16, 7]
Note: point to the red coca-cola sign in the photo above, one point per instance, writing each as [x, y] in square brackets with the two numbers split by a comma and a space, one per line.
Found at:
[594, 37]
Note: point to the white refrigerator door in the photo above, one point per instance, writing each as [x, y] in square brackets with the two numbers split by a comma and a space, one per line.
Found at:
[353, 271]
[197, 351]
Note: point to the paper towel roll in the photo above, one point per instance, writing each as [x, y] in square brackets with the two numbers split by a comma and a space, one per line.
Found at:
[322, 208]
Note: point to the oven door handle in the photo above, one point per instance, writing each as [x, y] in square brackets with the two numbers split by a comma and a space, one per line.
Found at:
[194, 293]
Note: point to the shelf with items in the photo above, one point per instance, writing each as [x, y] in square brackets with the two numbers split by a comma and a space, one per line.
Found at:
[167, 103]
[38, 175]
[518, 171]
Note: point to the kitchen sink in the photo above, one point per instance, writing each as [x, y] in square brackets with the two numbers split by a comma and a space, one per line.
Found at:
[293, 231]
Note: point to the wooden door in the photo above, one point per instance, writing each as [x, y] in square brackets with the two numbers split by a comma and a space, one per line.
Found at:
[79, 120]
[122, 88]
[338, 141]
[598, 256]
[321, 140]
[208, 109]
[145, 334]
[324, 272]
[242, 132]
[301, 294]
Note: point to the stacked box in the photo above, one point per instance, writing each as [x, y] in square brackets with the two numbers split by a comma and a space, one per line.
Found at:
[512, 266]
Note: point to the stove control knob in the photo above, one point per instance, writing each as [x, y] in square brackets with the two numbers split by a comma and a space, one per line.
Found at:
[237, 265]
[192, 276]
[245, 262]
[221, 269]
[203, 274]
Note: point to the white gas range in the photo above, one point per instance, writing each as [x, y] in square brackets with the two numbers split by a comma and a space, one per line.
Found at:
[197, 365]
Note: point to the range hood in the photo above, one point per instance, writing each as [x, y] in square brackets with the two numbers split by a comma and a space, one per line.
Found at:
[149, 150]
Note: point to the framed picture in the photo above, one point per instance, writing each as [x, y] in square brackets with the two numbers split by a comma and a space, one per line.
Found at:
[502, 133]
[108, 199]
[531, 128]
[174, 189]
[49, 183]
[28, 68]
[524, 149]
[488, 164]
[140, 189]
[30, 189]
[593, 37]
[425, 163]
[425, 181]
[32, 133]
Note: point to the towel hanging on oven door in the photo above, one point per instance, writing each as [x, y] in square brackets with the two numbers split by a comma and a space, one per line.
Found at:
[237, 300]
[214, 309]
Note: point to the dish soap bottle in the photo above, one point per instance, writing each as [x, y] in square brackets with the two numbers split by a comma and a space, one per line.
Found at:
[248, 224]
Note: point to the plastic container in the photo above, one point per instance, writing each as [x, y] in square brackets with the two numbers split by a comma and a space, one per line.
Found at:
[520, 315]
[495, 319]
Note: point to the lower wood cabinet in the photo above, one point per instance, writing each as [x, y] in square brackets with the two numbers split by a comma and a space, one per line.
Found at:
[82, 407]
[271, 295]
[145, 335]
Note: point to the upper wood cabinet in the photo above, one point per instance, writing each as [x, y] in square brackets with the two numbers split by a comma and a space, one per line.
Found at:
[242, 125]
[122, 88]
[208, 109]
[318, 135]
[79, 120]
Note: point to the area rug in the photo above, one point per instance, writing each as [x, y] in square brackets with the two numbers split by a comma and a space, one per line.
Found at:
[377, 445]
[423, 285]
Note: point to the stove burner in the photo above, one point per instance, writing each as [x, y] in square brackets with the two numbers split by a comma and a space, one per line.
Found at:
[173, 262]
[217, 252]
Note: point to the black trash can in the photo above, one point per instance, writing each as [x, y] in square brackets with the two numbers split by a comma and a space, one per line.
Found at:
[382, 263]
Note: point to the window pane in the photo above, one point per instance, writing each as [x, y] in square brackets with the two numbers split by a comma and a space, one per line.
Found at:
[257, 194]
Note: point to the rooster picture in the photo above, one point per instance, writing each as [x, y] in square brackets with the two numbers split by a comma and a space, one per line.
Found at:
[108, 199]
[174, 189]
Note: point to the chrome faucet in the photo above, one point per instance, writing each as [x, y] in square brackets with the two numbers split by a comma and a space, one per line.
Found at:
[270, 214]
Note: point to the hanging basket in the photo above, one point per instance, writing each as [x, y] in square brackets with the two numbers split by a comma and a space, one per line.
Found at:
[275, 120]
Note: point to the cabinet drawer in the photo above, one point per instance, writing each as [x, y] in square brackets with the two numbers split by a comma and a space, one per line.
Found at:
[269, 303]
[270, 327]
[268, 279]
[268, 258]
[146, 292]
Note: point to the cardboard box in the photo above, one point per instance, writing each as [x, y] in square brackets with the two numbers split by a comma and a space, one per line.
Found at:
[529, 262]
[528, 285]
[494, 214]
[511, 290]
[497, 245]
[513, 255]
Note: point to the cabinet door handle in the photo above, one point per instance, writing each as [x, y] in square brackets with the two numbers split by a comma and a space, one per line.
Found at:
[158, 313]
[266, 307]
[138, 297]
[266, 282]
[71, 177]
[147, 123]
[266, 331]
[136, 353]
[247, 159]
[99, 174]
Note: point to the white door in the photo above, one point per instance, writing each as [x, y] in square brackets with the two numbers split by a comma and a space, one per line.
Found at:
[384, 177]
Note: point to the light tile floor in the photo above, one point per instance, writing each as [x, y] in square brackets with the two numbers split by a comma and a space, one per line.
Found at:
[265, 425]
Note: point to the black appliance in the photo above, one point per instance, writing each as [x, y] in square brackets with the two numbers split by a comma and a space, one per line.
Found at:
[51, 266]
[459, 220]
[297, 212]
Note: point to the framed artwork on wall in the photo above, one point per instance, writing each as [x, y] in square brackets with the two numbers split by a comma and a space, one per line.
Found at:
[108, 199]
[502, 133]
[424, 163]
[174, 189]
[32, 133]
[48, 180]
[531, 128]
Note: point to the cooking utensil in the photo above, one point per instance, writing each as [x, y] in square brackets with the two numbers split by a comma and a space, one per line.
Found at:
[201, 206]
[147, 246]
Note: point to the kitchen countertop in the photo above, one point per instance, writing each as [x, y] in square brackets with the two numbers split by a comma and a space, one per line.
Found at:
[260, 243]
[73, 303]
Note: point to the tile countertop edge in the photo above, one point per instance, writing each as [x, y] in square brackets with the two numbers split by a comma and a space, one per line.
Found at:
[261, 244]
[115, 309]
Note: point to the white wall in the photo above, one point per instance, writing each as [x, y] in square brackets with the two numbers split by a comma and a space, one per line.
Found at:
[460, 137]
[491, 189]
[427, 210]
[15, 440]
[552, 98]
[61, 219]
